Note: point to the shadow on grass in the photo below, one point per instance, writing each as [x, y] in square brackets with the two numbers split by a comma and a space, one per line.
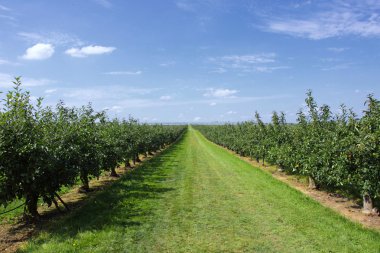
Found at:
[128, 202]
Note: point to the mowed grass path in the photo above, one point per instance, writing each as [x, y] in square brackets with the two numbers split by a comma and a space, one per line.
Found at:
[197, 197]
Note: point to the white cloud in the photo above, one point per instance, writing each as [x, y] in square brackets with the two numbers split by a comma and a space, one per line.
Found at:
[196, 119]
[340, 18]
[114, 73]
[219, 93]
[212, 104]
[40, 51]
[166, 98]
[89, 50]
[231, 112]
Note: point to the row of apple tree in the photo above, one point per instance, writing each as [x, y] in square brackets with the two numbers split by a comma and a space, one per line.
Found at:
[45, 148]
[336, 151]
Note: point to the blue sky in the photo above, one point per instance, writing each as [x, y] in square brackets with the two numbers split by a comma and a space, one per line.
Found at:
[192, 60]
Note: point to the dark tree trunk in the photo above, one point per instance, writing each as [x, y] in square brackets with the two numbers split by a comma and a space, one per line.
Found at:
[63, 203]
[127, 164]
[85, 184]
[30, 210]
[257, 159]
[114, 173]
[56, 205]
[137, 158]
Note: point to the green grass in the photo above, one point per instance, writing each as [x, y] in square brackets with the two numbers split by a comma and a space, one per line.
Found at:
[196, 197]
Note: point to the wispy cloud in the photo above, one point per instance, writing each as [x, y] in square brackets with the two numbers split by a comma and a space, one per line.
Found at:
[263, 62]
[165, 98]
[116, 73]
[50, 91]
[249, 59]
[167, 64]
[7, 17]
[339, 18]
[6, 81]
[104, 3]
[337, 66]
[34, 82]
[270, 69]
[337, 49]
[185, 5]
[219, 70]
[220, 93]
[2, 61]
[55, 38]
[89, 50]
[155, 103]
[4, 8]
[40, 51]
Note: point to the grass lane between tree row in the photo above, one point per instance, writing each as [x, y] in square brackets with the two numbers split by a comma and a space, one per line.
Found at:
[197, 197]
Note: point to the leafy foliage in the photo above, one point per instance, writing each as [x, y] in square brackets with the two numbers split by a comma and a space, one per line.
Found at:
[335, 151]
[43, 149]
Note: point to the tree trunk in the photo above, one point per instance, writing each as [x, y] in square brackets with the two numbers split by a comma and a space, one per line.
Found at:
[114, 173]
[367, 203]
[56, 205]
[312, 184]
[127, 164]
[263, 160]
[257, 159]
[63, 203]
[30, 210]
[137, 158]
[85, 184]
